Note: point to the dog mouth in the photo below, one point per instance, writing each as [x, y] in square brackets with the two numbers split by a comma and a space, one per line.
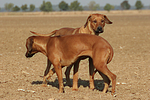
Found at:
[29, 55]
[97, 32]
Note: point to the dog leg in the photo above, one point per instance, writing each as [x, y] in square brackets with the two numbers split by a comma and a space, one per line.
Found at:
[67, 73]
[103, 68]
[58, 70]
[91, 72]
[46, 73]
[50, 74]
[75, 75]
[100, 59]
[106, 81]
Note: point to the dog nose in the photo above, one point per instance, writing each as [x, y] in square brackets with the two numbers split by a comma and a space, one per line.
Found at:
[99, 28]
[28, 55]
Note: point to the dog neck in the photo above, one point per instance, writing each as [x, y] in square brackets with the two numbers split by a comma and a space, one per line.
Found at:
[40, 44]
[87, 29]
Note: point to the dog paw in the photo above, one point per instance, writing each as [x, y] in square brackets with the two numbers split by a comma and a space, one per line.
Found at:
[114, 94]
[74, 89]
[92, 88]
[44, 85]
[61, 91]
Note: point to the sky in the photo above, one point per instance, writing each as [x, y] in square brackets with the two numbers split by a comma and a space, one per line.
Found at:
[37, 3]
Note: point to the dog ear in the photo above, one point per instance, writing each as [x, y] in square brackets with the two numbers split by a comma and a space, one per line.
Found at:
[87, 21]
[30, 43]
[107, 20]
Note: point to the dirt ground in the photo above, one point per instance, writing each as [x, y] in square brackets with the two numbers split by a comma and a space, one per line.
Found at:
[20, 78]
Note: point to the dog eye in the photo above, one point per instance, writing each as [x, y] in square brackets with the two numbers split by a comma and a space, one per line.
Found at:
[95, 21]
[102, 21]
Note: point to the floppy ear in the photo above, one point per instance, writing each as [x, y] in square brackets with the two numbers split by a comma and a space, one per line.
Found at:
[30, 43]
[87, 21]
[107, 20]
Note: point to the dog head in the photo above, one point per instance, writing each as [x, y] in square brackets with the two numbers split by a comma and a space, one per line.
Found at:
[97, 23]
[30, 48]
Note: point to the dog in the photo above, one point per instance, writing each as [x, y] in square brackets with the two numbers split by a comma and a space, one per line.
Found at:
[94, 25]
[65, 50]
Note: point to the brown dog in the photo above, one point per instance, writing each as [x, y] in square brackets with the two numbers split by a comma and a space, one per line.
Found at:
[94, 25]
[65, 50]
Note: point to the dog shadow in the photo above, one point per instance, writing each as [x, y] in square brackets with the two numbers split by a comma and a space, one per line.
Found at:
[99, 84]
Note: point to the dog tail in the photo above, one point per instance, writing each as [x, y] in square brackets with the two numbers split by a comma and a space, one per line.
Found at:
[49, 34]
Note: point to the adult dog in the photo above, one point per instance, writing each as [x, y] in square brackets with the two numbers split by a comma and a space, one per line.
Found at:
[65, 50]
[94, 25]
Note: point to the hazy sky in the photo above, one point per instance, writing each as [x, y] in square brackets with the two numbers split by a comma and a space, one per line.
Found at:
[37, 3]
